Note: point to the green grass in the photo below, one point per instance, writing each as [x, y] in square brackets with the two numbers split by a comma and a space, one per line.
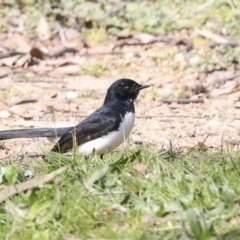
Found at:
[163, 195]
[159, 195]
[157, 17]
[96, 70]
[97, 22]
[95, 34]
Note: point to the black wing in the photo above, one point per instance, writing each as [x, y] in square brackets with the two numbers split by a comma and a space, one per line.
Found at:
[104, 120]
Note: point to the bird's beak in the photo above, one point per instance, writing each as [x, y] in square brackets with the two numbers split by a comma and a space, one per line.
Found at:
[142, 87]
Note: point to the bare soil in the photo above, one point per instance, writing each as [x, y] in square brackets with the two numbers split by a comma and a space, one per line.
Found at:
[212, 124]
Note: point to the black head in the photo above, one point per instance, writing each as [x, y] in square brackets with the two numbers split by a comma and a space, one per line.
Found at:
[124, 89]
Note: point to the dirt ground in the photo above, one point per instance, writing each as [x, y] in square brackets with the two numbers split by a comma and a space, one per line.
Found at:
[64, 95]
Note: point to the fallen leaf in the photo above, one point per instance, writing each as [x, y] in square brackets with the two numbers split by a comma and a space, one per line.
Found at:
[9, 61]
[28, 107]
[115, 208]
[141, 168]
[35, 182]
[4, 114]
[144, 37]
[150, 219]
[71, 33]
[43, 29]
[40, 52]
[64, 61]
[71, 69]
[233, 142]
[18, 42]
[20, 60]
[23, 61]
[18, 210]
[5, 71]
[118, 208]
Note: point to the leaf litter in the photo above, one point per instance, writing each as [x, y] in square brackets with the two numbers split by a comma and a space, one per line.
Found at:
[156, 122]
[166, 62]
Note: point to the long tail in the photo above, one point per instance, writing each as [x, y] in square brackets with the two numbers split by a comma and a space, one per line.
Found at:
[34, 133]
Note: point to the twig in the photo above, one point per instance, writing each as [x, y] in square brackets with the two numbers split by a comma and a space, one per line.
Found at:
[35, 155]
[185, 229]
[61, 50]
[39, 80]
[25, 101]
[4, 104]
[138, 142]
[101, 54]
[231, 4]
[10, 52]
[182, 101]
[217, 38]
[105, 193]
[42, 156]
[133, 42]
[12, 190]
[203, 6]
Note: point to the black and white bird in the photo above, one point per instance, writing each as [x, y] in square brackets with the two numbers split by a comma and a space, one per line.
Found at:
[102, 131]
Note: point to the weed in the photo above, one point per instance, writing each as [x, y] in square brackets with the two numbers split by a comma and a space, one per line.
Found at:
[99, 199]
[96, 70]
[95, 34]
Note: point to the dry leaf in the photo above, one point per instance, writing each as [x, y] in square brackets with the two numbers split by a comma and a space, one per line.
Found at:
[36, 182]
[71, 69]
[10, 61]
[141, 168]
[118, 208]
[202, 146]
[43, 29]
[17, 42]
[29, 110]
[38, 51]
[4, 114]
[115, 208]
[71, 33]
[4, 71]
[149, 219]
[233, 142]
[20, 60]
[144, 37]
[23, 61]
[64, 61]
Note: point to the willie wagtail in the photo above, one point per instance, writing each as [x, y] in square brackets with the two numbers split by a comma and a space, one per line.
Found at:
[102, 131]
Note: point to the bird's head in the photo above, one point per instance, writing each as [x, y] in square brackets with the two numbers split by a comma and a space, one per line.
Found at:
[124, 89]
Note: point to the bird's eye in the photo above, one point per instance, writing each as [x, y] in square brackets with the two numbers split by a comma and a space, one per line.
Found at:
[126, 87]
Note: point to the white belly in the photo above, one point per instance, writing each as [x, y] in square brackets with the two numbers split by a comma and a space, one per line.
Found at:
[110, 141]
